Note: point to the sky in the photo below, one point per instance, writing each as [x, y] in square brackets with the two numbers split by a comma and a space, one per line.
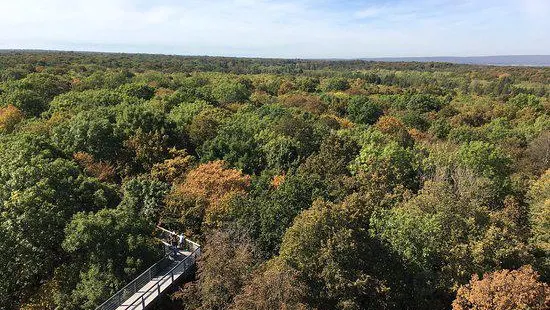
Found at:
[280, 28]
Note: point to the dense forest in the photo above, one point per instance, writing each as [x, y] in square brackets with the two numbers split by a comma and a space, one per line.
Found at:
[311, 184]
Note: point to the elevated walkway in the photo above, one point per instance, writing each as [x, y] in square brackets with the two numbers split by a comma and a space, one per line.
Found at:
[147, 287]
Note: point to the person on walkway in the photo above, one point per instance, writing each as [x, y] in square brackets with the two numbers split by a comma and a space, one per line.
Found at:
[174, 246]
[181, 241]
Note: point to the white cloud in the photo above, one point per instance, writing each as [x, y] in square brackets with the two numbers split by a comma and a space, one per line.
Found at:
[284, 28]
[368, 12]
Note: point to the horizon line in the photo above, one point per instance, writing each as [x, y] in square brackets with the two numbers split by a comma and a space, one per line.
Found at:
[260, 57]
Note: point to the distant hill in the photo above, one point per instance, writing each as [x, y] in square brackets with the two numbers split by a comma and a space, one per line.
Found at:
[507, 60]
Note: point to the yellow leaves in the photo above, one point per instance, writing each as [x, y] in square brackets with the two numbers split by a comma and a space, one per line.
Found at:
[173, 170]
[539, 196]
[10, 116]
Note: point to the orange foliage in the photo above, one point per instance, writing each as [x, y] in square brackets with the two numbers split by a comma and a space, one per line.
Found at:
[504, 290]
[213, 184]
[213, 181]
[75, 82]
[101, 170]
[343, 122]
[278, 180]
[10, 116]
[389, 124]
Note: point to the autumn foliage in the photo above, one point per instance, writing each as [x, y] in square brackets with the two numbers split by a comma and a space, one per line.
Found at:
[174, 168]
[504, 290]
[275, 285]
[99, 169]
[394, 127]
[9, 117]
[210, 185]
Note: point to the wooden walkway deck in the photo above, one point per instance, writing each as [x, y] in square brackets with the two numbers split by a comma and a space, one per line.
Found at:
[156, 286]
[144, 290]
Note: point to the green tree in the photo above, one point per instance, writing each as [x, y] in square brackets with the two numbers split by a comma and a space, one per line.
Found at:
[340, 263]
[85, 100]
[28, 101]
[489, 161]
[93, 132]
[46, 85]
[110, 247]
[446, 233]
[140, 91]
[335, 84]
[39, 193]
[230, 92]
[237, 143]
[391, 165]
[362, 110]
[539, 216]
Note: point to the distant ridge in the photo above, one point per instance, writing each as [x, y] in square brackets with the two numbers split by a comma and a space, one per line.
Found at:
[506, 60]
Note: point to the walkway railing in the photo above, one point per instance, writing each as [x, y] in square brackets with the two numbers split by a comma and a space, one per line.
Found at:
[165, 235]
[182, 267]
[153, 292]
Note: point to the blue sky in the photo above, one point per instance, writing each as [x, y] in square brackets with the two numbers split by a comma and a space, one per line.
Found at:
[283, 28]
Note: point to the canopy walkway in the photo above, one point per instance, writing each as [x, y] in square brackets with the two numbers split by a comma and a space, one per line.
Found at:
[153, 282]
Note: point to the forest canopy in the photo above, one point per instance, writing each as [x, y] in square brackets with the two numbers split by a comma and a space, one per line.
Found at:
[311, 184]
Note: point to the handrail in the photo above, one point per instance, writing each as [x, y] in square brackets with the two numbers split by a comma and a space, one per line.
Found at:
[131, 288]
[170, 274]
[196, 245]
[119, 295]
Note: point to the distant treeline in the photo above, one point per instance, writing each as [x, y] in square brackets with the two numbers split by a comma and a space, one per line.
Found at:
[175, 63]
